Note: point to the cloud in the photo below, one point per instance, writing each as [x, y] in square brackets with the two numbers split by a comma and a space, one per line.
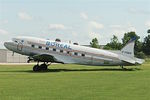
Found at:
[131, 27]
[133, 10]
[139, 11]
[96, 25]
[147, 24]
[123, 30]
[24, 16]
[4, 21]
[74, 33]
[94, 35]
[56, 27]
[115, 26]
[120, 29]
[3, 32]
[84, 15]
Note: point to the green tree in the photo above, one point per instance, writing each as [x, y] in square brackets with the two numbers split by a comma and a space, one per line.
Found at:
[95, 43]
[146, 45]
[114, 44]
[128, 36]
[148, 31]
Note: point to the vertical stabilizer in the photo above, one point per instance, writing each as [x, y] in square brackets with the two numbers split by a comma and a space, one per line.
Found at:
[128, 49]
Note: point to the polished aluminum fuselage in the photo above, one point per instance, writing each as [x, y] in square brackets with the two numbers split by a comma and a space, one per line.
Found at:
[77, 54]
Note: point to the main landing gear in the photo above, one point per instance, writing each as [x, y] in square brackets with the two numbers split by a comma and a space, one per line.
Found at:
[42, 67]
[122, 67]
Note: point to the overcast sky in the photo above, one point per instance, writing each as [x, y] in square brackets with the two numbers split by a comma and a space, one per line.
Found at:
[75, 20]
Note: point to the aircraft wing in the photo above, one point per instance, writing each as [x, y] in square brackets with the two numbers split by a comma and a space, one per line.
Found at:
[46, 58]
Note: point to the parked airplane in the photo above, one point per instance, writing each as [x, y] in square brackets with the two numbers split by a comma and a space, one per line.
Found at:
[42, 50]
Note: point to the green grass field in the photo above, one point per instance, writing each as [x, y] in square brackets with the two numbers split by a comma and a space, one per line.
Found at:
[75, 82]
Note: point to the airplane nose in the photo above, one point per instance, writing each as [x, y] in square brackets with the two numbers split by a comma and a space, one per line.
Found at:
[7, 44]
[10, 46]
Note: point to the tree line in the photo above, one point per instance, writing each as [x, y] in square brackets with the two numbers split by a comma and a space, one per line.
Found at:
[141, 48]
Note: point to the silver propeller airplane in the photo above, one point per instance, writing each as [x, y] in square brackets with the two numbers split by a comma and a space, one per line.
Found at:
[47, 51]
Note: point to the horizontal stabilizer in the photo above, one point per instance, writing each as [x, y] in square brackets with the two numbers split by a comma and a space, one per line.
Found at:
[139, 61]
[127, 59]
[131, 60]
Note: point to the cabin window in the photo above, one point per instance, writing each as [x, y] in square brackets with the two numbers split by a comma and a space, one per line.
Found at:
[76, 53]
[32, 46]
[68, 52]
[40, 47]
[61, 51]
[82, 55]
[54, 49]
[47, 48]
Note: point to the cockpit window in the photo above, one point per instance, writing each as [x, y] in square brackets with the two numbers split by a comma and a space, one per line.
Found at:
[17, 40]
[22, 41]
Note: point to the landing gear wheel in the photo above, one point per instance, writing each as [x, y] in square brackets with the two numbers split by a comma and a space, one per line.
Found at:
[122, 67]
[36, 68]
[43, 67]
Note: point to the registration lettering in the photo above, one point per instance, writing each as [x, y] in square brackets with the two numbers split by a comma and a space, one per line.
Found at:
[55, 44]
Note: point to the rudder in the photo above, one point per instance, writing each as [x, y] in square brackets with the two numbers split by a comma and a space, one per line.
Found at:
[128, 49]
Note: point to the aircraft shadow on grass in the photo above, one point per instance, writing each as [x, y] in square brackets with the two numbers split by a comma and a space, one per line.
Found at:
[76, 70]
[86, 70]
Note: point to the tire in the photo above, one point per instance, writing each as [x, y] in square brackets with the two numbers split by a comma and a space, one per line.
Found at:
[43, 67]
[36, 68]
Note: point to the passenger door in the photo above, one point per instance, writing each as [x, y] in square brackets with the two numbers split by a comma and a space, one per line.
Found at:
[19, 46]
